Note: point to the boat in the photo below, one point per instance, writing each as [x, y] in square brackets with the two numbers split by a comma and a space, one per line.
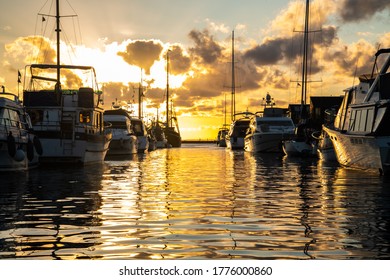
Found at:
[123, 141]
[239, 121]
[325, 147]
[235, 140]
[268, 129]
[140, 131]
[221, 136]
[361, 131]
[156, 130]
[171, 127]
[68, 121]
[19, 146]
[303, 144]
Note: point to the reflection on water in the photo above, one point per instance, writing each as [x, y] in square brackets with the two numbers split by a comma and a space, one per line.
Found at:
[196, 202]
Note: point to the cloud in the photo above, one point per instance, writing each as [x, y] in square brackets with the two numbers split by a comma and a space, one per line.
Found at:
[206, 48]
[179, 62]
[358, 10]
[142, 53]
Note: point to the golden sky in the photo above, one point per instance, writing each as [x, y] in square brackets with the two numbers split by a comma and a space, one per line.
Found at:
[119, 38]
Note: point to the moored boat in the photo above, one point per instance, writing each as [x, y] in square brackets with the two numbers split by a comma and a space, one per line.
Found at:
[235, 139]
[19, 146]
[361, 132]
[69, 122]
[123, 142]
[268, 129]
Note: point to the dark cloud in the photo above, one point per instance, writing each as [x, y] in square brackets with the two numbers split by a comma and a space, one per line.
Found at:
[142, 53]
[268, 53]
[179, 63]
[206, 48]
[357, 10]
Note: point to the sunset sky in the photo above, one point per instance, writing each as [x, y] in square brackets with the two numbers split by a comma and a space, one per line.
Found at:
[120, 37]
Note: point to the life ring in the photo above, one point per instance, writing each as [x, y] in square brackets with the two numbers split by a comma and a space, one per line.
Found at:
[38, 145]
[11, 145]
[30, 150]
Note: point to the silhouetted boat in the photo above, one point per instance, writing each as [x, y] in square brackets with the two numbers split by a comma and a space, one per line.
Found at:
[171, 127]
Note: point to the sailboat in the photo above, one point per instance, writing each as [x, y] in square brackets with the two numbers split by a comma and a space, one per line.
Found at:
[240, 121]
[69, 122]
[302, 145]
[223, 130]
[361, 131]
[171, 128]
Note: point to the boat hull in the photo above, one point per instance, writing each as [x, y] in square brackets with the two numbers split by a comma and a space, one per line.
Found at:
[265, 142]
[173, 137]
[235, 143]
[362, 152]
[66, 151]
[299, 149]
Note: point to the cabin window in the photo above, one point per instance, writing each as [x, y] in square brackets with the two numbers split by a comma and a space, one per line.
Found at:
[9, 117]
[85, 117]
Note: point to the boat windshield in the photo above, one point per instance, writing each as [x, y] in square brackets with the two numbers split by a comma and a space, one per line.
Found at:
[275, 123]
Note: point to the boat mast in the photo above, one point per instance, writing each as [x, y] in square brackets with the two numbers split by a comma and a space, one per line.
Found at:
[304, 58]
[58, 30]
[167, 101]
[233, 106]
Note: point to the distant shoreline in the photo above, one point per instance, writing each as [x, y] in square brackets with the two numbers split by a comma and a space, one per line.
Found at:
[199, 141]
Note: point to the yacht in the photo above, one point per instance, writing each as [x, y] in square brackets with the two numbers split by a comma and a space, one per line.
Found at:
[123, 142]
[235, 139]
[141, 133]
[361, 131]
[19, 146]
[268, 129]
[68, 121]
[221, 136]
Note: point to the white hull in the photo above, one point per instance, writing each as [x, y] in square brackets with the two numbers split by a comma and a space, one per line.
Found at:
[235, 143]
[78, 151]
[361, 152]
[19, 162]
[263, 142]
[122, 144]
[299, 149]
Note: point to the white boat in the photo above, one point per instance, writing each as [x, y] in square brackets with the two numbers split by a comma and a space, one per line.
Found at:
[141, 133]
[68, 122]
[268, 129]
[123, 142]
[361, 132]
[303, 144]
[19, 147]
[235, 139]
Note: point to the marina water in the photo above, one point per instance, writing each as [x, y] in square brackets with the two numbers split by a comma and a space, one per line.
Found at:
[195, 202]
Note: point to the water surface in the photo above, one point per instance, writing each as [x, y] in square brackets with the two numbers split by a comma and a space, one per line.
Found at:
[195, 202]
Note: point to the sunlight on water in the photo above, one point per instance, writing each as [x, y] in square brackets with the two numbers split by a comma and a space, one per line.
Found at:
[196, 202]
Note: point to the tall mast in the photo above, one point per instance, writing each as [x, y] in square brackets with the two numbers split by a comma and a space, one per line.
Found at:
[233, 106]
[305, 57]
[168, 87]
[58, 30]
